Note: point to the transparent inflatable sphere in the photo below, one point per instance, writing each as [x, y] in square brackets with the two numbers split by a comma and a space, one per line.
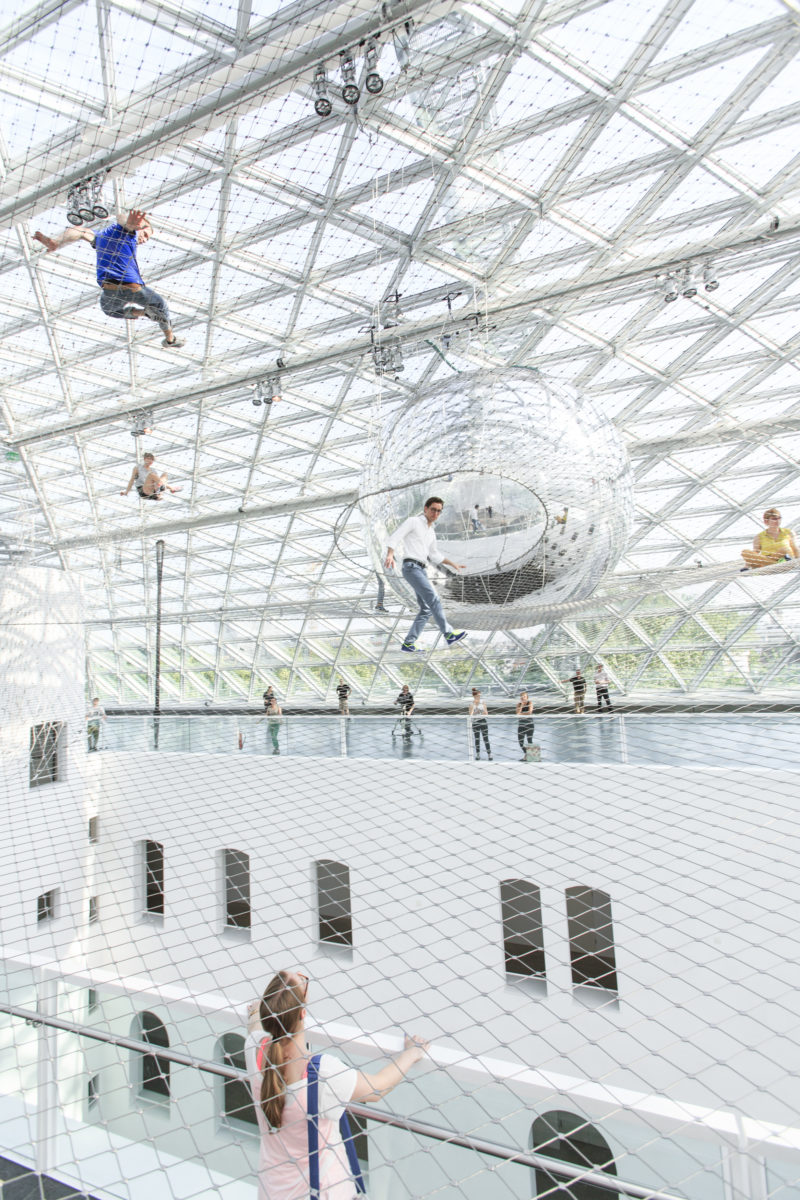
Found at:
[537, 491]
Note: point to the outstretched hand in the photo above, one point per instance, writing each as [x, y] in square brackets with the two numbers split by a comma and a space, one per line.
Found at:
[136, 219]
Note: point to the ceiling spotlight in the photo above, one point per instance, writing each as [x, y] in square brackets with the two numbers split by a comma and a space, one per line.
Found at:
[350, 93]
[670, 289]
[688, 285]
[373, 83]
[322, 105]
[710, 283]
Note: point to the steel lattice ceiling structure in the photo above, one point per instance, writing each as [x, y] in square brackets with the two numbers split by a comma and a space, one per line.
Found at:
[530, 175]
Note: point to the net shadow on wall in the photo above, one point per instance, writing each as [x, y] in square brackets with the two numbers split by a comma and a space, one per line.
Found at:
[236, 1100]
[151, 1071]
[571, 1139]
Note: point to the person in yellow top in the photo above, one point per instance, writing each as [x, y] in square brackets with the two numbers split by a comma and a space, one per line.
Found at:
[773, 544]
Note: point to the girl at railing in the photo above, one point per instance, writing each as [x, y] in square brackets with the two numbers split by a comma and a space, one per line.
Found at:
[300, 1099]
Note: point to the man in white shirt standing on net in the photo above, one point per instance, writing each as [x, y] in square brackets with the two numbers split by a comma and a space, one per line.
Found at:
[417, 536]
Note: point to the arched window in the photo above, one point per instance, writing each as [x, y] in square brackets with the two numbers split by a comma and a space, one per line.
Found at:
[573, 1140]
[153, 1069]
[523, 935]
[237, 1099]
[334, 910]
[591, 938]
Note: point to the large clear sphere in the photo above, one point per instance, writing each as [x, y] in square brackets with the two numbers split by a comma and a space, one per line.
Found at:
[537, 491]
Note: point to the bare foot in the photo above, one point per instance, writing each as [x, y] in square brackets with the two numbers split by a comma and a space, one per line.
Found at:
[48, 242]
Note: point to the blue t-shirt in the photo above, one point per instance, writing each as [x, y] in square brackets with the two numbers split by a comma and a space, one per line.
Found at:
[116, 256]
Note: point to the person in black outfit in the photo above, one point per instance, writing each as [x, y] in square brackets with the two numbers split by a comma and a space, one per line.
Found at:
[406, 702]
[525, 722]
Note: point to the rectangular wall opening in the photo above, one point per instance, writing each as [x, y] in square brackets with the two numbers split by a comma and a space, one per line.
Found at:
[334, 911]
[238, 913]
[45, 742]
[591, 939]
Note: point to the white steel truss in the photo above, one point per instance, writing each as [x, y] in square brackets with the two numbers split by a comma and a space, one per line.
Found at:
[532, 178]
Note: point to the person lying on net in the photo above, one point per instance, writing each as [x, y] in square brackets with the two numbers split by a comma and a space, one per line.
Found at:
[150, 483]
[772, 545]
[300, 1098]
[125, 294]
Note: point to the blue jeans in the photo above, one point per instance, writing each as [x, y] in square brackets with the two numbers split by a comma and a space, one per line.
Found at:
[113, 301]
[429, 603]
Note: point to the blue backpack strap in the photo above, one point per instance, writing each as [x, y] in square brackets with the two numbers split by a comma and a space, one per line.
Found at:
[312, 1103]
[313, 1125]
[352, 1156]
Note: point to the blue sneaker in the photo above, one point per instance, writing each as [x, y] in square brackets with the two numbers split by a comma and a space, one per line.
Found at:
[452, 638]
[409, 647]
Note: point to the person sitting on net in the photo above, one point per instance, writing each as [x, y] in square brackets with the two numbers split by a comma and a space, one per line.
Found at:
[150, 482]
[125, 294]
[300, 1098]
[772, 545]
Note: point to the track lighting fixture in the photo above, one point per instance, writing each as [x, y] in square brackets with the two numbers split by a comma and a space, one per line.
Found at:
[350, 93]
[373, 82]
[688, 284]
[710, 282]
[322, 104]
[670, 289]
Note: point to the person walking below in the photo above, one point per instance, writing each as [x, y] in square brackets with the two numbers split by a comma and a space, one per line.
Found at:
[300, 1098]
[601, 682]
[94, 716]
[343, 692]
[417, 536]
[525, 722]
[480, 726]
[578, 689]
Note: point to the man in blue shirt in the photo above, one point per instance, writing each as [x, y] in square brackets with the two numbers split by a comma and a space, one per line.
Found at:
[125, 294]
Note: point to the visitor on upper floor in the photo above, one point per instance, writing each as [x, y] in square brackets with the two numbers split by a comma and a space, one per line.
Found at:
[94, 718]
[417, 536]
[601, 685]
[150, 482]
[300, 1098]
[578, 689]
[525, 722]
[478, 713]
[343, 691]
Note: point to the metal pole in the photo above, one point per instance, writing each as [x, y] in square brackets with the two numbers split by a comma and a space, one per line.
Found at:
[157, 692]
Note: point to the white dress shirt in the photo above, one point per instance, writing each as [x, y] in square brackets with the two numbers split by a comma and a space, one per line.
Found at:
[418, 540]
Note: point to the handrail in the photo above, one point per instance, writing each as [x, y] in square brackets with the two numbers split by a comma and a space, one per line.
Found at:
[542, 1162]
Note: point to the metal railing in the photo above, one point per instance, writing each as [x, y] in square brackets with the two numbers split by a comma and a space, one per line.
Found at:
[601, 738]
[601, 1179]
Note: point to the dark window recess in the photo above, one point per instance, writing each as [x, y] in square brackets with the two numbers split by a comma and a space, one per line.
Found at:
[94, 910]
[237, 1099]
[44, 753]
[46, 905]
[237, 889]
[523, 933]
[94, 834]
[92, 1000]
[154, 878]
[567, 1137]
[333, 903]
[93, 1091]
[591, 938]
[155, 1068]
